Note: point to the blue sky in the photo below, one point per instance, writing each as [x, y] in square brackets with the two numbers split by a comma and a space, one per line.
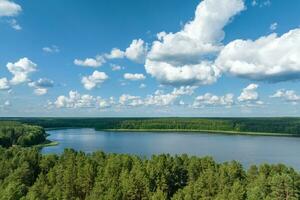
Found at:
[149, 58]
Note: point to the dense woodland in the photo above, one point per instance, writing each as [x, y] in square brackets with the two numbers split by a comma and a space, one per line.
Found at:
[16, 133]
[26, 174]
[265, 125]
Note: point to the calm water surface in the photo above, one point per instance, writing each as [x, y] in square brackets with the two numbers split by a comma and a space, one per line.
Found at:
[246, 149]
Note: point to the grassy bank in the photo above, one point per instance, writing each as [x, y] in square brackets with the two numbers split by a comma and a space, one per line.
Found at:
[47, 144]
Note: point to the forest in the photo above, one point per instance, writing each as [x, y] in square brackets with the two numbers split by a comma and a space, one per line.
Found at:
[16, 133]
[288, 126]
[26, 174]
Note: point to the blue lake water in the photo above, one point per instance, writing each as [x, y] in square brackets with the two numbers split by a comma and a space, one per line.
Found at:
[246, 149]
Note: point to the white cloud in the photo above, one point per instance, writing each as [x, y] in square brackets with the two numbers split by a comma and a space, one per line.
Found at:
[40, 91]
[115, 53]
[249, 94]
[14, 24]
[21, 70]
[197, 74]
[42, 82]
[51, 49]
[97, 78]
[273, 26]
[76, 100]
[103, 103]
[129, 100]
[41, 86]
[181, 57]
[4, 84]
[90, 62]
[287, 95]
[9, 8]
[134, 77]
[159, 98]
[209, 99]
[136, 51]
[270, 58]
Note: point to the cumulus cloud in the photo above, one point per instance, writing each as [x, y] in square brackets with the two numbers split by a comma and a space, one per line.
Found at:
[130, 100]
[103, 103]
[96, 79]
[51, 49]
[249, 96]
[76, 100]
[4, 84]
[115, 53]
[21, 70]
[182, 57]
[9, 8]
[270, 58]
[41, 86]
[209, 99]
[136, 51]
[193, 74]
[287, 95]
[90, 62]
[249, 93]
[40, 91]
[134, 77]
[159, 98]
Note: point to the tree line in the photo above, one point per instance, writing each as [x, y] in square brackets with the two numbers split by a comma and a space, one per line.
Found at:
[26, 174]
[265, 125]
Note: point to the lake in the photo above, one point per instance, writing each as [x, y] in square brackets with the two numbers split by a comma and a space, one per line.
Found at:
[246, 149]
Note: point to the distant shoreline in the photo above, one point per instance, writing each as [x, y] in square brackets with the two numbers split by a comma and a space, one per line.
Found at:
[203, 131]
[184, 130]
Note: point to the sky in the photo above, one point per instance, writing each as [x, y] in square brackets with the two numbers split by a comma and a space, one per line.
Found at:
[140, 58]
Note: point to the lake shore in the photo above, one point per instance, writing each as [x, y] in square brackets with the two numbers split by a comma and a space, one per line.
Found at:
[47, 143]
[203, 131]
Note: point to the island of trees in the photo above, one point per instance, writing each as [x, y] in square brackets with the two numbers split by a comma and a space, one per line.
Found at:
[26, 174]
